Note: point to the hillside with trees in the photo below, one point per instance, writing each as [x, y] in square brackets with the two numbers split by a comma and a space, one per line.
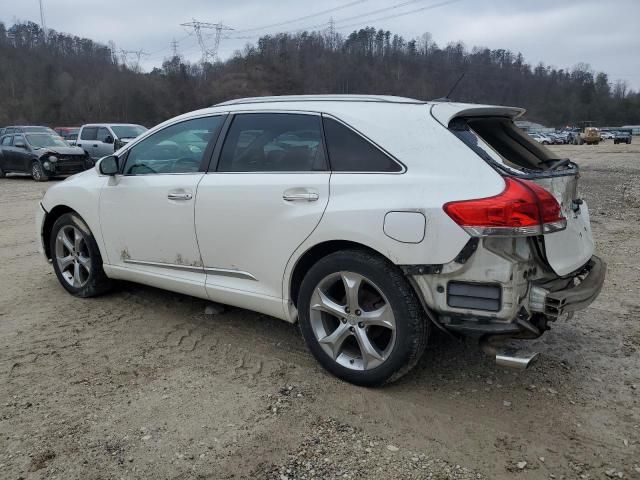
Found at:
[69, 80]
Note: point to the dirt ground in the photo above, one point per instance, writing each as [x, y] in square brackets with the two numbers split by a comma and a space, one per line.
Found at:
[141, 383]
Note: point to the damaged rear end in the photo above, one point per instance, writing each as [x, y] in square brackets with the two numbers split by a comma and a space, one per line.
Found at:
[530, 256]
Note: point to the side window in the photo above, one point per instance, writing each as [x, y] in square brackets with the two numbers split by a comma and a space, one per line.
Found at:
[9, 130]
[175, 149]
[103, 133]
[273, 142]
[6, 141]
[349, 152]
[89, 133]
[19, 139]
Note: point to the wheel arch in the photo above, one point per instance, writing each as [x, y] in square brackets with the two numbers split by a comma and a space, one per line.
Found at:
[315, 253]
[50, 219]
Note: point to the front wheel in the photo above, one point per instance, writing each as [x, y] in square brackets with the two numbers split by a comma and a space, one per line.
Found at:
[38, 173]
[361, 319]
[76, 258]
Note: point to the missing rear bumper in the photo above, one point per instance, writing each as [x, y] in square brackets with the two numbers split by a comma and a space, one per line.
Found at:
[573, 294]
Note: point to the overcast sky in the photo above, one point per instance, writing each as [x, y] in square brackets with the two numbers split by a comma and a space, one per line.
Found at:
[603, 34]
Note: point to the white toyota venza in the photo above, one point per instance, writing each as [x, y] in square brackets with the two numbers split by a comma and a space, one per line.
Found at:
[369, 220]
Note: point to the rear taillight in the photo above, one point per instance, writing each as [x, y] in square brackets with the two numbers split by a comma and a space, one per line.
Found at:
[522, 209]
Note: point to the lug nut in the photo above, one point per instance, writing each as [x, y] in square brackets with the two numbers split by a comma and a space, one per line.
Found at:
[351, 329]
[346, 309]
[361, 325]
[344, 320]
[358, 312]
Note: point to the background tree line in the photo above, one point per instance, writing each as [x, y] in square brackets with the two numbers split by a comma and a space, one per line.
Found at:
[69, 80]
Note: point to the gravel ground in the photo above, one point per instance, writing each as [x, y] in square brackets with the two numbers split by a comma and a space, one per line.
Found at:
[141, 383]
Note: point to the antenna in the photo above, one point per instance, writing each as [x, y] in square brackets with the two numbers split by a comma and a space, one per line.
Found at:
[455, 85]
[447, 97]
[42, 22]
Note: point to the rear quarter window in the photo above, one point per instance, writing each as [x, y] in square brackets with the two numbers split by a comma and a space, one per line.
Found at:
[350, 152]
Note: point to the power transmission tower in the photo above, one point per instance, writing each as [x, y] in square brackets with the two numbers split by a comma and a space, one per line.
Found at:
[124, 55]
[43, 23]
[198, 27]
[174, 48]
[332, 33]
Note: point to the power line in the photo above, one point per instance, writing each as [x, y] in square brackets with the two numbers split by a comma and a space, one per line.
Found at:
[305, 17]
[367, 14]
[387, 17]
[42, 22]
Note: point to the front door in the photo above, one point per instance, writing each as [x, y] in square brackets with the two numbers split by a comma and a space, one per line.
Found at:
[104, 143]
[266, 196]
[21, 157]
[146, 213]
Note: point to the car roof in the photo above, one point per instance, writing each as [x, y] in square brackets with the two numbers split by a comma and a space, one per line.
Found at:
[111, 125]
[322, 98]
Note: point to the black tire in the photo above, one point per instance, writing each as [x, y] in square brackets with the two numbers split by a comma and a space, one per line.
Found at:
[37, 173]
[95, 281]
[629, 142]
[412, 327]
[2, 173]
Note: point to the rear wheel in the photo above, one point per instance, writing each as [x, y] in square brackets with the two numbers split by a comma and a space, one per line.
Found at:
[361, 319]
[76, 258]
[2, 173]
[38, 173]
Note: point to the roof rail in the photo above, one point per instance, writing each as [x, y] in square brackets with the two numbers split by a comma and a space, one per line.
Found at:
[322, 98]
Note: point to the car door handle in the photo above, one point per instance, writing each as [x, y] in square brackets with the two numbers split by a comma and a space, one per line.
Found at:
[95, 145]
[300, 196]
[179, 196]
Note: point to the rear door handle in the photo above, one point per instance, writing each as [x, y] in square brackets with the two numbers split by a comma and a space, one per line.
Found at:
[179, 196]
[300, 195]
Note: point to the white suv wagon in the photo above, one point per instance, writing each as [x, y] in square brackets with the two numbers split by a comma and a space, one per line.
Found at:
[369, 220]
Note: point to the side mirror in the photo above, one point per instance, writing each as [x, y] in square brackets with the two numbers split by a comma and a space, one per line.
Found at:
[20, 144]
[108, 139]
[109, 165]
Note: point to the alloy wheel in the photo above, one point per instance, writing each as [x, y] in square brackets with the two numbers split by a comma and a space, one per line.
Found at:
[352, 320]
[35, 171]
[72, 256]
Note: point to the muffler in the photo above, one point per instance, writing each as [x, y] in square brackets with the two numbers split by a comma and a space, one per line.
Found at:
[493, 345]
[513, 358]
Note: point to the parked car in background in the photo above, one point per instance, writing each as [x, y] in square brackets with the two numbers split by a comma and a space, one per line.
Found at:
[101, 139]
[622, 136]
[607, 135]
[43, 155]
[70, 134]
[28, 129]
[367, 233]
[540, 138]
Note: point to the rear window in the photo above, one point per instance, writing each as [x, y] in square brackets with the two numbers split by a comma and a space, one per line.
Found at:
[89, 133]
[350, 152]
[499, 140]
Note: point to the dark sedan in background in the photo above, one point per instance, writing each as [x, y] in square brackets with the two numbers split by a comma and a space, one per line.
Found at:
[43, 155]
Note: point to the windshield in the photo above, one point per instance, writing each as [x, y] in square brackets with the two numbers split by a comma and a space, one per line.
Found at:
[128, 131]
[42, 140]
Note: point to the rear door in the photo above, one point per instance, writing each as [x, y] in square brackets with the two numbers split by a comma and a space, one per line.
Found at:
[7, 153]
[265, 197]
[87, 140]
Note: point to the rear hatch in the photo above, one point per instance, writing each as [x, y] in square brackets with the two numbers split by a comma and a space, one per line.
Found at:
[491, 133]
